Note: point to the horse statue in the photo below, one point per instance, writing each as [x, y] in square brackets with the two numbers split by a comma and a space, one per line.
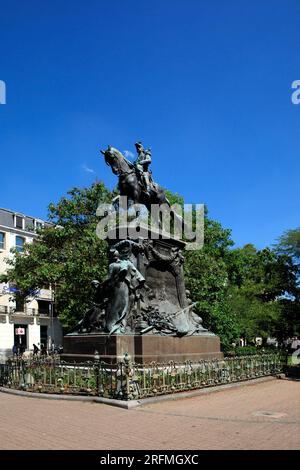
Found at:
[130, 183]
[135, 182]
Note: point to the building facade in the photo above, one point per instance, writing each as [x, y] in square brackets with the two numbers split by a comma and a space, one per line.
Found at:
[34, 321]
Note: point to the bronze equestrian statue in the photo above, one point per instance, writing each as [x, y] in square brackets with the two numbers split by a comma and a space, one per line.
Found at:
[135, 179]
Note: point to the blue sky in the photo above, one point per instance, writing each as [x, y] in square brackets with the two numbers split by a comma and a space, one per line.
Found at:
[206, 84]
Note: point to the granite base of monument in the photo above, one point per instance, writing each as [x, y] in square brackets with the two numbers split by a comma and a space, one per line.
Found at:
[143, 349]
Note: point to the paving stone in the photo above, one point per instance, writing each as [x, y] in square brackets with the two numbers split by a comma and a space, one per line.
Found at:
[257, 416]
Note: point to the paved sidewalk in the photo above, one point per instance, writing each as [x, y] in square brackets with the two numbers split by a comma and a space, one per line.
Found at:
[252, 416]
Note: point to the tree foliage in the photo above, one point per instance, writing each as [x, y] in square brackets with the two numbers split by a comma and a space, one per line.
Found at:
[238, 291]
[68, 255]
[207, 279]
[289, 243]
[262, 287]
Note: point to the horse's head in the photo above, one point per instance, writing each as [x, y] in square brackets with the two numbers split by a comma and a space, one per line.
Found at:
[110, 158]
[115, 160]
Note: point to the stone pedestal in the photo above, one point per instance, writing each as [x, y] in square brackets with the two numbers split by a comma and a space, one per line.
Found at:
[143, 349]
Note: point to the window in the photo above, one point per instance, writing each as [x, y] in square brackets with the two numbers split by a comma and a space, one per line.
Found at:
[20, 303]
[19, 222]
[44, 307]
[2, 240]
[20, 244]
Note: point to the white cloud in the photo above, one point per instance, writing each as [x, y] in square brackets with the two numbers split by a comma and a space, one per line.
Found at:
[87, 169]
[128, 154]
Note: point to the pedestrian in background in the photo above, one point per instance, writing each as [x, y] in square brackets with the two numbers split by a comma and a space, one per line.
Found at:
[15, 350]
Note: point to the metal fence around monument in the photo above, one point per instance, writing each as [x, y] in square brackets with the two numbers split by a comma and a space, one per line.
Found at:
[127, 381]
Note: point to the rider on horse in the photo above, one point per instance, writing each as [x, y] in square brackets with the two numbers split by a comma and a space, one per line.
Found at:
[142, 165]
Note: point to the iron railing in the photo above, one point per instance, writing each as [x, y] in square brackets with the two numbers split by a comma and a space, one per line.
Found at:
[128, 381]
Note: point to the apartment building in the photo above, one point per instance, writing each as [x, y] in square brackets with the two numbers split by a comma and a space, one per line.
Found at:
[33, 321]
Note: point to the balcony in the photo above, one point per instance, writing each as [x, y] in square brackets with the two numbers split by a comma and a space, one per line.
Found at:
[5, 309]
[31, 312]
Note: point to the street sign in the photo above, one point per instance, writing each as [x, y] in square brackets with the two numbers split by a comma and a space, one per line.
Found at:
[20, 331]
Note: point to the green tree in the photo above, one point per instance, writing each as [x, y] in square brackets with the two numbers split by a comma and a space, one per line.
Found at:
[206, 276]
[236, 290]
[262, 284]
[68, 255]
[289, 243]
